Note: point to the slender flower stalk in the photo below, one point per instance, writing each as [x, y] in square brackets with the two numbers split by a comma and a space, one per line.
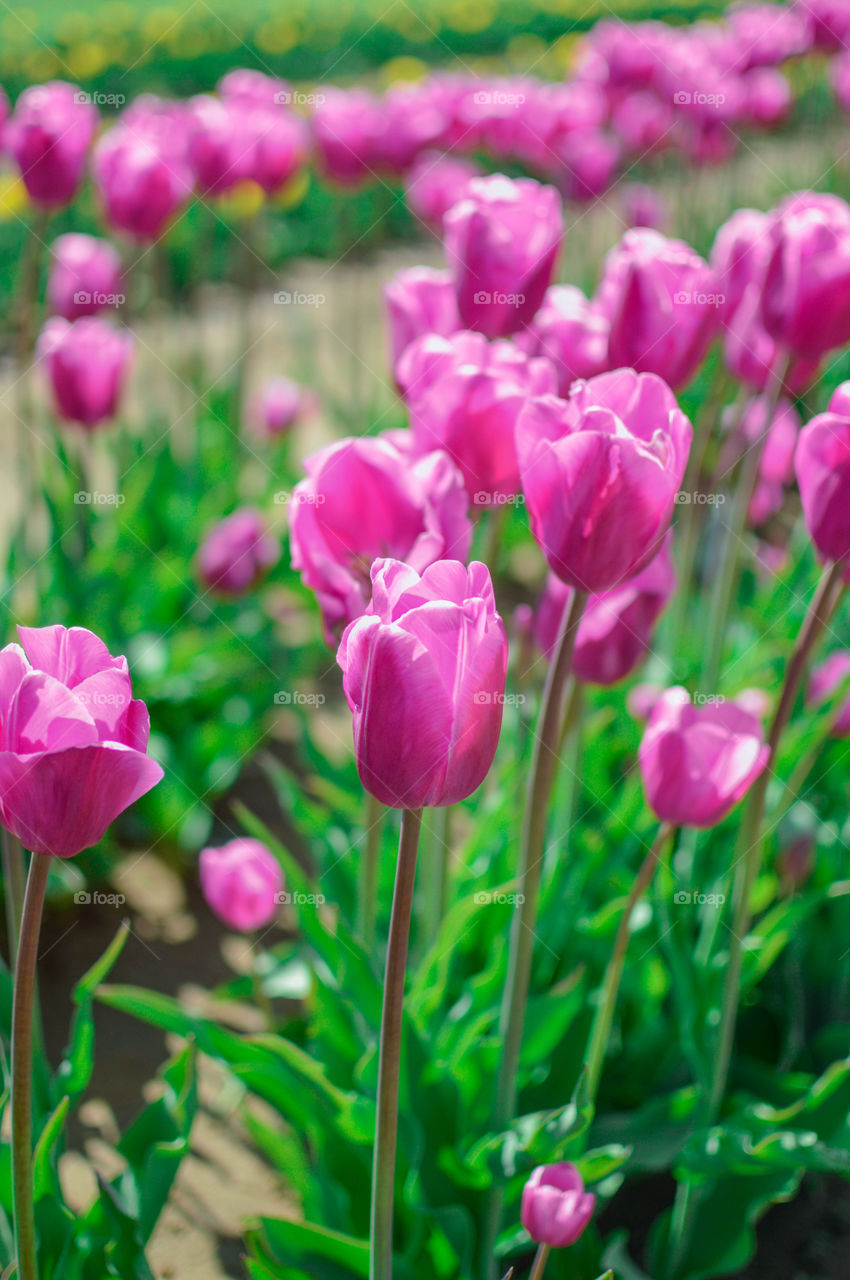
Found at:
[389, 1062]
[14, 885]
[22, 1039]
[539, 1264]
[436, 885]
[367, 889]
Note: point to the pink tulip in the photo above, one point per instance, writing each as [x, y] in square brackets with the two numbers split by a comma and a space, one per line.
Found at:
[697, 762]
[590, 159]
[85, 276]
[72, 740]
[424, 675]
[464, 396]
[48, 135]
[643, 206]
[826, 678]
[839, 74]
[828, 22]
[237, 553]
[419, 300]
[555, 1206]
[87, 362]
[502, 241]
[242, 882]
[143, 180]
[244, 84]
[435, 183]
[570, 332]
[218, 148]
[776, 466]
[739, 256]
[755, 358]
[616, 627]
[644, 123]
[805, 301]
[348, 126]
[365, 497]
[600, 472]
[278, 143]
[822, 464]
[662, 302]
[768, 98]
[281, 406]
[839, 401]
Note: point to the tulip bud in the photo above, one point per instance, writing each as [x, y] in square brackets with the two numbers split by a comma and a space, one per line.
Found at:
[237, 553]
[85, 276]
[281, 405]
[419, 301]
[144, 179]
[48, 135]
[555, 1206]
[87, 363]
[570, 332]
[435, 183]
[242, 882]
[822, 465]
[805, 300]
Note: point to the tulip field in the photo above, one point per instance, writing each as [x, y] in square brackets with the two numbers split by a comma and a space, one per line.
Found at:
[425, 688]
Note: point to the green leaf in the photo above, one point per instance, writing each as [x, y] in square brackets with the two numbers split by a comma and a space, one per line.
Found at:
[44, 1174]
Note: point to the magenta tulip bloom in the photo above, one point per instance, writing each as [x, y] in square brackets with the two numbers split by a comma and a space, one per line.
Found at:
[464, 396]
[242, 882]
[805, 300]
[697, 762]
[218, 148]
[348, 127]
[424, 675]
[839, 401]
[281, 405]
[143, 180]
[571, 333]
[662, 302]
[502, 241]
[739, 256]
[643, 206]
[826, 678]
[600, 471]
[419, 300]
[85, 276]
[48, 135]
[87, 362]
[365, 497]
[776, 466]
[555, 1206]
[237, 553]
[754, 357]
[435, 183]
[822, 464]
[278, 144]
[247, 85]
[72, 740]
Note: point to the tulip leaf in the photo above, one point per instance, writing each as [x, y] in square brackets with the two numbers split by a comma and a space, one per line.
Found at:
[321, 1252]
[44, 1174]
[74, 1072]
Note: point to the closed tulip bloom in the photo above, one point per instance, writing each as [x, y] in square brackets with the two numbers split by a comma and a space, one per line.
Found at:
[424, 675]
[465, 395]
[555, 1206]
[281, 405]
[827, 677]
[571, 332]
[753, 357]
[697, 762]
[143, 181]
[85, 276]
[218, 149]
[241, 881]
[502, 241]
[768, 98]
[600, 472]
[48, 135]
[839, 401]
[776, 465]
[278, 144]
[643, 206]
[822, 465]
[248, 85]
[237, 553]
[661, 300]
[805, 300]
[87, 362]
[419, 300]
[362, 498]
[739, 256]
[72, 740]
[435, 183]
[348, 126]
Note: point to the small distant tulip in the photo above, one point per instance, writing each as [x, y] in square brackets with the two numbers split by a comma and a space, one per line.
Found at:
[143, 181]
[600, 473]
[72, 742]
[826, 677]
[48, 135]
[248, 85]
[424, 675]
[555, 1206]
[237, 553]
[87, 362]
[435, 183]
[85, 276]
[644, 207]
[281, 405]
[822, 466]
[419, 300]
[365, 497]
[570, 332]
[242, 881]
[502, 241]
[697, 762]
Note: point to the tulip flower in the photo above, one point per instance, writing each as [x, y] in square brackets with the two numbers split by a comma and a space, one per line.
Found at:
[85, 276]
[424, 676]
[465, 395]
[278, 146]
[600, 473]
[281, 405]
[776, 465]
[662, 302]
[73, 740]
[419, 300]
[502, 241]
[555, 1207]
[755, 358]
[697, 762]
[570, 332]
[87, 362]
[218, 149]
[826, 678]
[237, 553]
[822, 466]
[739, 256]
[245, 84]
[242, 881]
[839, 401]
[644, 207]
[347, 128]
[48, 135]
[143, 180]
[435, 183]
[365, 497]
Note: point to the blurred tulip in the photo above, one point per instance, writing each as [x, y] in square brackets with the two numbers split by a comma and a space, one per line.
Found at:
[555, 1206]
[739, 256]
[600, 472]
[143, 181]
[643, 206]
[805, 302]
[281, 405]
[424, 675]
[245, 84]
[822, 465]
[347, 128]
[237, 553]
[502, 241]
[570, 332]
[776, 465]
[85, 276]
[839, 401]
[218, 149]
[362, 498]
[754, 358]
[435, 183]
[768, 98]
[826, 678]
[87, 362]
[419, 300]
[48, 135]
[74, 739]
[697, 762]
[241, 881]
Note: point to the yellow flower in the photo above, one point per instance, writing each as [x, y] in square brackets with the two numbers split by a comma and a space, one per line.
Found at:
[13, 197]
[242, 202]
[290, 196]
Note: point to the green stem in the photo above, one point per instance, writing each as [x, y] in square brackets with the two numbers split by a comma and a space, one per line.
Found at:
[614, 973]
[22, 1025]
[14, 887]
[539, 1263]
[367, 889]
[541, 778]
[436, 885]
[389, 1061]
